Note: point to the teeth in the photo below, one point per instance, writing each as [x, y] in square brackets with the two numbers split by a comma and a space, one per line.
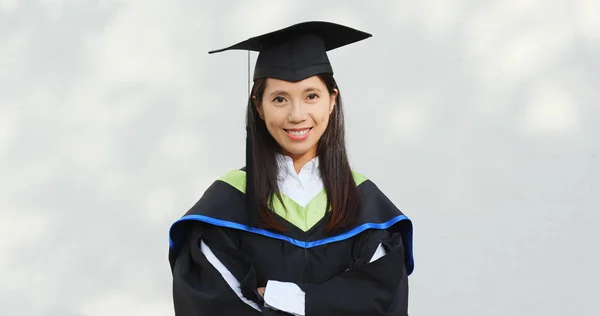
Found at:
[299, 133]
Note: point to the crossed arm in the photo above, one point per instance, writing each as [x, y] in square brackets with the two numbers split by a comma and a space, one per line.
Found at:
[379, 287]
[284, 296]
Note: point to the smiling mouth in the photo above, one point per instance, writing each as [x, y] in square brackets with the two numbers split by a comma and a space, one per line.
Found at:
[298, 132]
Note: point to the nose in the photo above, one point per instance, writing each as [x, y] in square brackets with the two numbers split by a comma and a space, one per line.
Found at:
[297, 112]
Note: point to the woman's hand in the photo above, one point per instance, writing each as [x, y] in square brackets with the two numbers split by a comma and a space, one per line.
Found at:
[261, 291]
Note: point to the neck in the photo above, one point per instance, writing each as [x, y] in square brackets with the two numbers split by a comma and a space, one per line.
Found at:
[301, 159]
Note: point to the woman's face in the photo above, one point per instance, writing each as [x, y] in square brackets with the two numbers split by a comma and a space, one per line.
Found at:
[297, 113]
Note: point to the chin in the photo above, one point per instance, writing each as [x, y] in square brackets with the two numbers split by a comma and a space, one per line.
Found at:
[297, 151]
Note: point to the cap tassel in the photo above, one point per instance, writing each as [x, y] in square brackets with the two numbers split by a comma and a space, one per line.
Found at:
[249, 196]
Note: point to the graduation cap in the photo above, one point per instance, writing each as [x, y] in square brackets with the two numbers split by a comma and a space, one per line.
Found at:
[299, 51]
[292, 54]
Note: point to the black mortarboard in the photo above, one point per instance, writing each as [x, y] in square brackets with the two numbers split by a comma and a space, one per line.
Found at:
[299, 51]
[292, 54]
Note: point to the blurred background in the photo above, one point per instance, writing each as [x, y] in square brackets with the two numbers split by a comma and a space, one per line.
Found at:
[479, 119]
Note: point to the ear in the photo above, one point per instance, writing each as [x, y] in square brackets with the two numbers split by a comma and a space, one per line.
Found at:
[332, 98]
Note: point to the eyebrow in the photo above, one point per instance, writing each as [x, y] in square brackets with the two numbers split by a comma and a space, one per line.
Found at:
[282, 92]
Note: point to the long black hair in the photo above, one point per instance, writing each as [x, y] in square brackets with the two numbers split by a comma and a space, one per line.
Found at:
[342, 193]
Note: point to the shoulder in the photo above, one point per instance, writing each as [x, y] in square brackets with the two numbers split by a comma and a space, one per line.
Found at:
[224, 196]
[235, 178]
[366, 185]
[376, 205]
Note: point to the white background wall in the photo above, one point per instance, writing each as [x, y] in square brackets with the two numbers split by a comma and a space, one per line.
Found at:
[479, 119]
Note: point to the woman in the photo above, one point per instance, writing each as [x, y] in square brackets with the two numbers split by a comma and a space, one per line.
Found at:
[295, 231]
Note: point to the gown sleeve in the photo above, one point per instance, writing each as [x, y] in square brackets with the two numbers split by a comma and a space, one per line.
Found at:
[199, 288]
[378, 288]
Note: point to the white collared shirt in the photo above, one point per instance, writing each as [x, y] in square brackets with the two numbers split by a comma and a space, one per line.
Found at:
[303, 186]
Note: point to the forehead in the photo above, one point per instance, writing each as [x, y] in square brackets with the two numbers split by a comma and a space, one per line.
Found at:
[313, 82]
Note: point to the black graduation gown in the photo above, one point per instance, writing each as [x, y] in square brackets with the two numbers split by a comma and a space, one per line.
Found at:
[333, 270]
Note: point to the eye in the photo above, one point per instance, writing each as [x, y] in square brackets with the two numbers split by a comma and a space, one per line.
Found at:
[278, 99]
[312, 96]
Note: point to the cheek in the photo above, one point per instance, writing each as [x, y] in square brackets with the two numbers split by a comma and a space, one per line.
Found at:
[273, 119]
[322, 117]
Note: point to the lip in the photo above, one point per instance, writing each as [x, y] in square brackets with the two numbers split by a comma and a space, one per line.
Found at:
[297, 137]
